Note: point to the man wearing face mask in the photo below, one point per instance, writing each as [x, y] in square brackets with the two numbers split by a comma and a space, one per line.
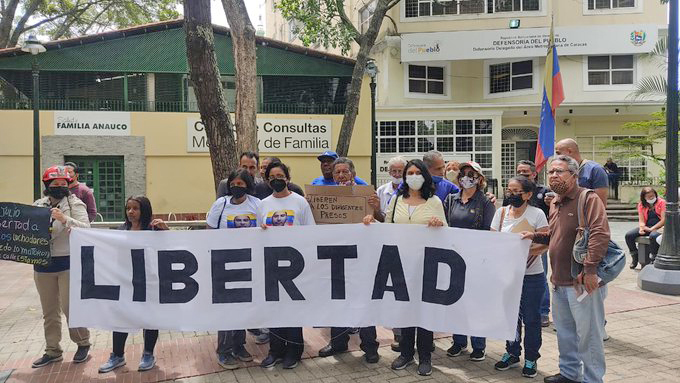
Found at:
[579, 322]
[435, 165]
[379, 201]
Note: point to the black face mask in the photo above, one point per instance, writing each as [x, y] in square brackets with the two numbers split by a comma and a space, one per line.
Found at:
[58, 192]
[515, 200]
[278, 185]
[238, 191]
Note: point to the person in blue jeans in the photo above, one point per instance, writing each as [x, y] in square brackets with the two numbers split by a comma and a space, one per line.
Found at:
[516, 217]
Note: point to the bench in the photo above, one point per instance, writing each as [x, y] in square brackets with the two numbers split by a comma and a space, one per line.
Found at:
[643, 250]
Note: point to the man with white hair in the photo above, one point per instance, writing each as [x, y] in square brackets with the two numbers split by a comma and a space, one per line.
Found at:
[379, 201]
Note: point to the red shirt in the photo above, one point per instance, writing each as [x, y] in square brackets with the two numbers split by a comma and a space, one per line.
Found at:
[659, 208]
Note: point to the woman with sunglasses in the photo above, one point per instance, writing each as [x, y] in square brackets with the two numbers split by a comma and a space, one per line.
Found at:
[469, 209]
[517, 217]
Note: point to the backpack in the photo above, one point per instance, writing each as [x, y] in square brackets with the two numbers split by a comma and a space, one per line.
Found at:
[613, 262]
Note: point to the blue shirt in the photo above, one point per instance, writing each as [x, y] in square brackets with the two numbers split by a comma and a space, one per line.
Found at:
[330, 182]
[445, 187]
[592, 175]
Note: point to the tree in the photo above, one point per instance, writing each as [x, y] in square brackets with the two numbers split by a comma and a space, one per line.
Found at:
[245, 65]
[326, 22]
[68, 18]
[205, 75]
[645, 135]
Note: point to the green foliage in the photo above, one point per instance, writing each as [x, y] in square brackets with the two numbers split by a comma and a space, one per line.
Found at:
[319, 22]
[645, 135]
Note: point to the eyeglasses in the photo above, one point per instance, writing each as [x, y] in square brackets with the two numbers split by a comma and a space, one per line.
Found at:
[513, 192]
[344, 172]
[277, 177]
[557, 171]
[470, 174]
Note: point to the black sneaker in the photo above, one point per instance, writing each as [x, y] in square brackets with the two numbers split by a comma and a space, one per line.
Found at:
[290, 363]
[401, 362]
[507, 361]
[82, 354]
[478, 355]
[425, 367]
[455, 350]
[529, 369]
[270, 361]
[372, 357]
[45, 360]
[227, 361]
[243, 355]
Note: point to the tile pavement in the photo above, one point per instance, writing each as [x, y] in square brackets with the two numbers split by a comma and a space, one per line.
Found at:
[644, 330]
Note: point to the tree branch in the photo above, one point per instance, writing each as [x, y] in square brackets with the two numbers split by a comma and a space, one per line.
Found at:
[340, 5]
[20, 27]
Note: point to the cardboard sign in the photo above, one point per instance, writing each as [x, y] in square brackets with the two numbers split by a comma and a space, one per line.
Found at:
[24, 233]
[339, 204]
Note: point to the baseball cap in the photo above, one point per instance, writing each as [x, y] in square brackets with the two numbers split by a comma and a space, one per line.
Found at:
[329, 154]
[475, 166]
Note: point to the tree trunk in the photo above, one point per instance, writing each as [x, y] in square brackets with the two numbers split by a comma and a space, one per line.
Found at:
[245, 64]
[6, 23]
[205, 76]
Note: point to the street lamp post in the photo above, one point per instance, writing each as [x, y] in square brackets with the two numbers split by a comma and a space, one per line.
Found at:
[372, 72]
[664, 276]
[33, 46]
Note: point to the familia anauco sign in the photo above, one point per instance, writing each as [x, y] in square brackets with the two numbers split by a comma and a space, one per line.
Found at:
[76, 123]
[274, 135]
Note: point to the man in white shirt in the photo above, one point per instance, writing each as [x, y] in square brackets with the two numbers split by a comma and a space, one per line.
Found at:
[379, 201]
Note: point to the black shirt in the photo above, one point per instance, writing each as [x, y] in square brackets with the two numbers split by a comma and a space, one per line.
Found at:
[476, 214]
[262, 190]
[652, 218]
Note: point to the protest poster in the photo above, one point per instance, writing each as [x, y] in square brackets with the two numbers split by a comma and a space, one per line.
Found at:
[24, 233]
[325, 275]
[339, 204]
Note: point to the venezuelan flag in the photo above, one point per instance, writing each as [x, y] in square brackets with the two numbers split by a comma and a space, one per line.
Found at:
[553, 95]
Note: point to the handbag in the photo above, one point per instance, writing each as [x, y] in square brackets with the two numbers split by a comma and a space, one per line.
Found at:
[612, 263]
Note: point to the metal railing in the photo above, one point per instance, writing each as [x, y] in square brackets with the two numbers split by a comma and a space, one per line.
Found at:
[163, 106]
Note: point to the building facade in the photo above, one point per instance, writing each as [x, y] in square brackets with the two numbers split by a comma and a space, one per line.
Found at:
[466, 77]
[122, 106]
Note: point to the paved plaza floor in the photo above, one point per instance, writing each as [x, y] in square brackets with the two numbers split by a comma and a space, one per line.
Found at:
[644, 346]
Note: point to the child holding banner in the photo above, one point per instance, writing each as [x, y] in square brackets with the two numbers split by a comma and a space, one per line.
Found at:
[283, 208]
[516, 218]
[138, 214]
[238, 208]
[415, 203]
[52, 281]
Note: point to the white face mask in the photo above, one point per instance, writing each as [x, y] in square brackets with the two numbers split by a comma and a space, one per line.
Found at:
[415, 181]
[397, 180]
[452, 175]
[651, 201]
[468, 182]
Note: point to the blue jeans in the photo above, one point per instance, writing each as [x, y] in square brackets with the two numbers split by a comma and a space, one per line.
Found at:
[545, 303]
[462, 340]
[533, 290]
[580, 327]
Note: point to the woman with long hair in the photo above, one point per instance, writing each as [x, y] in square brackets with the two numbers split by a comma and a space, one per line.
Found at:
[651, 218]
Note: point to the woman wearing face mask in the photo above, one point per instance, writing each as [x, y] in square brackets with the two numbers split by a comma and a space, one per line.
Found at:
[52, 281]
[651, 218]
[415, 203]
[138, 216]
[230, 212]
[469, 209]
[515, 218]
[285, 344]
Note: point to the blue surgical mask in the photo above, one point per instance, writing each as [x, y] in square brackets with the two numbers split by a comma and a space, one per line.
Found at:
[437, 179]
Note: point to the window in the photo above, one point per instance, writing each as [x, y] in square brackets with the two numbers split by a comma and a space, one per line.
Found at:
[365, 15]
[630, 168]
[610, 4]
[426, 79]
[105, 176]
[421, 8]
[611, 70]
[464, 136]
[511, 76]
[293, 30]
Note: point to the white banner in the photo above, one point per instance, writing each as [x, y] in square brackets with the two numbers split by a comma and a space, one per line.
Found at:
[72, 123]
[297, 136]
[442, 279]
[528, 42]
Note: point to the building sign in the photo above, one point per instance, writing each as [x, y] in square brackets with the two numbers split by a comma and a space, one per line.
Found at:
[528, 42]
[273, 135]
[71, 123]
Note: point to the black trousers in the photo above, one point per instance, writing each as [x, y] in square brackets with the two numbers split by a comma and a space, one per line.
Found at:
[119, 338]
[408, 341]
[340, 338]
[286, 342]
[230, 341]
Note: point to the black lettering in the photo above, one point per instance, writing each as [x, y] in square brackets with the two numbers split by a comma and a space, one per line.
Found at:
[337, 255]
[167, 276]
[390, 266]
[433, 257]
[88, 288]
[275, 274]
[220, 276]
[138, 275]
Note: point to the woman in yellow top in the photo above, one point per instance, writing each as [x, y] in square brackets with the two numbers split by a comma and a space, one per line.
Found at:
[415, 203]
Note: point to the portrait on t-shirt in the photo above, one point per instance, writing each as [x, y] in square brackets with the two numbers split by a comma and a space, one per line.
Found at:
[280, 218]
[241, 220]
